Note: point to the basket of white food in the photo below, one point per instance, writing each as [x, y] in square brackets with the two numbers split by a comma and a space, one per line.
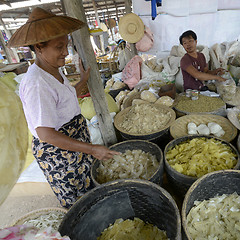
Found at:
[123, 209]
[145, 121]
[211, 207]
[206, 124]
[43, 218]
[139, 159]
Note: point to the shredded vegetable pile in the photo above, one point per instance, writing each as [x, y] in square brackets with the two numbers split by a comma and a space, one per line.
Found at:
[130, 164]
[200, 156]
[215, 219]
[132, 230]
[145, 118]
[51, 219]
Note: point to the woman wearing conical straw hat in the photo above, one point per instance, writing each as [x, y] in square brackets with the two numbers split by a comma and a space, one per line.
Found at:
[61, 141]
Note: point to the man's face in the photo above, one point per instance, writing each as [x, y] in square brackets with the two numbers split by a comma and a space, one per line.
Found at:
[189, 44]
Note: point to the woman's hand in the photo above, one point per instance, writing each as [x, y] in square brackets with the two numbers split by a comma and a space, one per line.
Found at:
[103, 153]
[84, 74]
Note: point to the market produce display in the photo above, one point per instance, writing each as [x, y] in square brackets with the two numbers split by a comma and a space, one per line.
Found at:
[216, 218]
[202, 104]
[206, 129]
[43, 220]
[130, 164]
[200, 156]
[145, 118]
[132, 229]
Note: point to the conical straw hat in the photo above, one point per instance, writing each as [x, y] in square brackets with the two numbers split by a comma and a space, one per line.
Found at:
[131, 28]
[43, 26]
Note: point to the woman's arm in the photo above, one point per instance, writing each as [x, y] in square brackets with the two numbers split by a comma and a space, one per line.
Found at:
[51, 136]
[202, 76]
[84, 78]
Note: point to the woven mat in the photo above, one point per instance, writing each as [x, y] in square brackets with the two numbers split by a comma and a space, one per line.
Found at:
[24, 198]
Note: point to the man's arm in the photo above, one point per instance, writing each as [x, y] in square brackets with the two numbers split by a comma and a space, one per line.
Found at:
[203, 76]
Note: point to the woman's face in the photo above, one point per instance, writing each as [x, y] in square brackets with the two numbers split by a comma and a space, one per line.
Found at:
[55, 51]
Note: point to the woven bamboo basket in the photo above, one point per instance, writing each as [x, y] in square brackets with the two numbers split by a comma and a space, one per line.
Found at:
[149, 136]
[179, 127]
[37, 213]
[220, 111]
[128, 102]
[238, 143]
[181, 182]
[145, 146]
[209, 186]
[126, 199]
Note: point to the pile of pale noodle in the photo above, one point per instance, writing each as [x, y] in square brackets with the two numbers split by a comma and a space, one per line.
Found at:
[145, 118]
[135, 164]
[216, 218]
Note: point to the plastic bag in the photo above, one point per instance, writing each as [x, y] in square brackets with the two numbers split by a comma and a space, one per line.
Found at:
[226, 89]
[94, 130]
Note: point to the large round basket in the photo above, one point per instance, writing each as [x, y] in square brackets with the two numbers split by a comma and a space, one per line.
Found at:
[209, 186]
[181, 182]
[238, 143]
[125, 199]
[179, 127]
[220, 111]
[37, 213]
[128, 102]
[145, 146]
[149, 136]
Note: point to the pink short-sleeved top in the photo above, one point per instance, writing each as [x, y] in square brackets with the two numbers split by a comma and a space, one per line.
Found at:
[46, 101]
[189, 82]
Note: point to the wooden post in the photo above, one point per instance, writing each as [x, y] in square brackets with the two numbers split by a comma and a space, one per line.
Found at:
[74, 8]
[128, 7]
[14, 51]
[5, 49]
[109, 21]
[99, 25]
[116, 10]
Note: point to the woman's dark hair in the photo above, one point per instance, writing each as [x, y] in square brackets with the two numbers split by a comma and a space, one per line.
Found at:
[188, 34]
[43, 44]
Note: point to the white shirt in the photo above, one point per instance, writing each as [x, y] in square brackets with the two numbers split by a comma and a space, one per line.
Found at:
[46, 101]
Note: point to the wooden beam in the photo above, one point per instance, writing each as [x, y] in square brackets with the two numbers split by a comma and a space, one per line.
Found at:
[5, 49]
[81, 38]
[14, 51]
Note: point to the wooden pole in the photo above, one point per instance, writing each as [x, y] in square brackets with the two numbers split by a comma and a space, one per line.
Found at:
[81, 38]
[99, 25]
[14, 51]
[116, 10]
[109, 20]
[5, 49]
[128, 8]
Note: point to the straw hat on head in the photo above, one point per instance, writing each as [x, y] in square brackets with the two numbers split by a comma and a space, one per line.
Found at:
[131, 28]
[43, 26]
